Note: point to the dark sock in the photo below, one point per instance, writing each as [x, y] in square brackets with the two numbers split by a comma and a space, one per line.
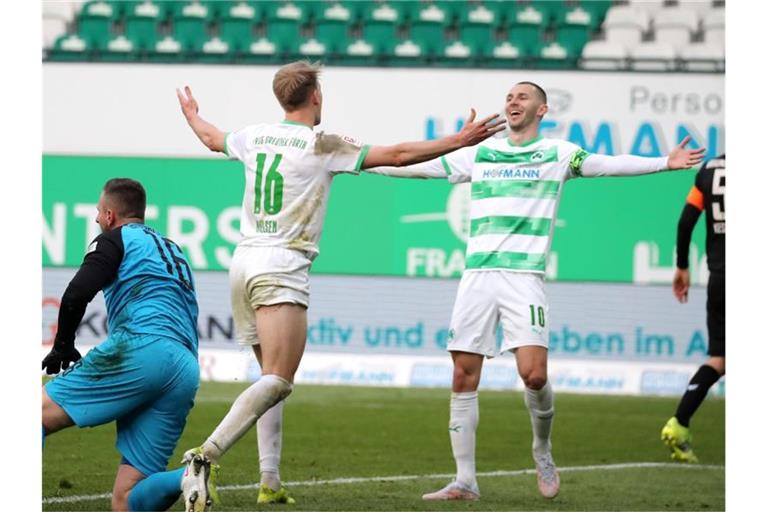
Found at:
[701, 382]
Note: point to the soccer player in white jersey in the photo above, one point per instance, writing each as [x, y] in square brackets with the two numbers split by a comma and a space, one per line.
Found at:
[288, 169]
[516, 186]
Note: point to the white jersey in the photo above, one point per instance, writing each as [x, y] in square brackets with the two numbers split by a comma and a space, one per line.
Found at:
[515, 194]
[288, 172]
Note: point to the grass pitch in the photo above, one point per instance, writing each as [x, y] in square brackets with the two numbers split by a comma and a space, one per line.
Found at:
[336, 434]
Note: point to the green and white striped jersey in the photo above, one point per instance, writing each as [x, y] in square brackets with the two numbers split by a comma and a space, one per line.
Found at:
[515, 194]
[288, 173]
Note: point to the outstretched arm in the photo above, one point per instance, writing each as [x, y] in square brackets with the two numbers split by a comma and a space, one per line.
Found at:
[423, 170]
[408, 153]
[212, 137]
[629, 165]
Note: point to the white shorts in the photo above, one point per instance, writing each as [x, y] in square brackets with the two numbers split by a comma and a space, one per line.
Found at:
[265, 276]
[487, 297]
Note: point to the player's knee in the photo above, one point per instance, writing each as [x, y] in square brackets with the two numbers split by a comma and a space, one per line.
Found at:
[120, 500]
[718, 364]
[464, 379]
[281, 388]
[534, 380]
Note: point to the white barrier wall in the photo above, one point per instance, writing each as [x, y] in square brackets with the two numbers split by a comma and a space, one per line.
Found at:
[113, 109]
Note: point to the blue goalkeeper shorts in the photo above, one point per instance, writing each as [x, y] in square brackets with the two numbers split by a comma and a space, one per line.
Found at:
[146, 383]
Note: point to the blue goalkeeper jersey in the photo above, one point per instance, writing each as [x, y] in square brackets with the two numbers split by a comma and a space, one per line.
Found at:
[147, 284]
[153, 292]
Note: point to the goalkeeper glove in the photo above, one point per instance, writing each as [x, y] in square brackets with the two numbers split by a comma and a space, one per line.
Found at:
[59, 358]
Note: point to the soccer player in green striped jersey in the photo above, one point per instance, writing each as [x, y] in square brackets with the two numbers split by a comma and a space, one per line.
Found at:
[516, 186]
[288, 173]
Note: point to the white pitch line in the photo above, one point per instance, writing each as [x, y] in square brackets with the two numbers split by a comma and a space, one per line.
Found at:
[399, 478]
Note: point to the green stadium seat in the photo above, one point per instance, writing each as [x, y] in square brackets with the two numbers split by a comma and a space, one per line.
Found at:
[526, 24]
[597, 9]
[428, 26]
[555, 56]
[576, 16]
[69, 47]
[508, 54]
[335, 11]
[481, 42]
[215, 50]
[333, 21]
[311, 47]
[142, 24]
[190, 22]
[458, 53]
[573, 37]
[298, 12]
[551, 9]
[407, 53]
[167, 49]
[236, 26]
[95, 23]
[333, 34]
[478, 25]
[382, 22]
[453, 9]
[262, 49]
[119, 49]
[383, 12]
[284, 20]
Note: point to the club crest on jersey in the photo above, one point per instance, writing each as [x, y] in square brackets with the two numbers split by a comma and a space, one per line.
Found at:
[537, 156]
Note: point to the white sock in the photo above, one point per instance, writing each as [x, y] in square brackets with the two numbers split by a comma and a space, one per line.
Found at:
[247, 408]
[465, 416]
[270, 436]
[541, 406]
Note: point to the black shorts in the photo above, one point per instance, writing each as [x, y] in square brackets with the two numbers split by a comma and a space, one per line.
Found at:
[716, 313]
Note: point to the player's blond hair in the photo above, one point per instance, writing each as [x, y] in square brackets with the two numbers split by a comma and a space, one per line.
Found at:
[294, 83]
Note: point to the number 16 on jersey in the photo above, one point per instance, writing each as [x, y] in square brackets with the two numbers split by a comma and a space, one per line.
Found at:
[271, 191]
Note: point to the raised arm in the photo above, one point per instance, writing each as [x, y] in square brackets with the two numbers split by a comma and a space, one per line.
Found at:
[408, 153]
[212, 137]
[629, 165]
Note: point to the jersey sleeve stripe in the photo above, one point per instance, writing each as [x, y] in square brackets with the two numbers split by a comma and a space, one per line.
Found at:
[446, 167]
[695, 198]
[361, 158]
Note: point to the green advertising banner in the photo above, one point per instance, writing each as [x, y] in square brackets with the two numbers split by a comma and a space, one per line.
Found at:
[608, 229]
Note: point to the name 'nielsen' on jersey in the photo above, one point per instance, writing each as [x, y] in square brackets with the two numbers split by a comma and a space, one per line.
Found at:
[288, 173]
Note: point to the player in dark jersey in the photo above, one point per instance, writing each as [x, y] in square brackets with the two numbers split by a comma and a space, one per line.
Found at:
[145, 374]
[708, 193]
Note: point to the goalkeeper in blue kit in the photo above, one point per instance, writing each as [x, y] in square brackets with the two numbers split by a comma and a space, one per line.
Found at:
[144, 376]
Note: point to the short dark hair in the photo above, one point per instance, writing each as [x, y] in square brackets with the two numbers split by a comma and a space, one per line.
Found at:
[541, 91]
[130, 199]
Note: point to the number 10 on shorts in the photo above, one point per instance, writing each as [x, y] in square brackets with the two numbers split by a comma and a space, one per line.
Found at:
[537, 314]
